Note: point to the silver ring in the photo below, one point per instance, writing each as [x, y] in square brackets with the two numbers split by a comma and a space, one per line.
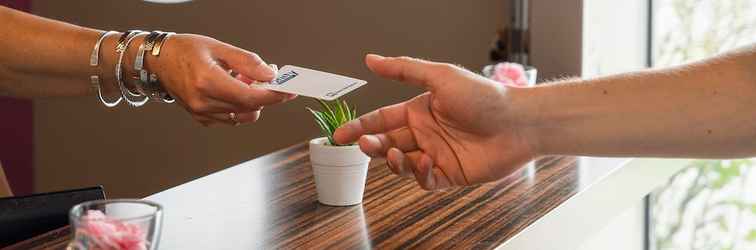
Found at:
[232, 117]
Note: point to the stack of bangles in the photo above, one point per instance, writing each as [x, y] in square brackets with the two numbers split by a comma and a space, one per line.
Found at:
[147, 86]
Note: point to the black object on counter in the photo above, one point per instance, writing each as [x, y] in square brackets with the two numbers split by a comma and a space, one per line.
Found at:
[24, 217]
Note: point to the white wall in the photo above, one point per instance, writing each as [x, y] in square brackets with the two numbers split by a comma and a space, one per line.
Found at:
[615, 40]
[625, 232]
[615, 35]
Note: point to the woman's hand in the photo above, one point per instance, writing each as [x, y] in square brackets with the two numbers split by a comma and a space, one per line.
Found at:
[462, 132]
[196, 70]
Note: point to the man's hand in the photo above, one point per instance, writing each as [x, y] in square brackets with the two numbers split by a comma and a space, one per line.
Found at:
[461, 132]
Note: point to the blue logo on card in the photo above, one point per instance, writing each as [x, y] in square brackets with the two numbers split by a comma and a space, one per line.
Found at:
[284, 78]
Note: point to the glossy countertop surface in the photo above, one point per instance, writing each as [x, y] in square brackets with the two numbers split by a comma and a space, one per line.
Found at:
[270, 202]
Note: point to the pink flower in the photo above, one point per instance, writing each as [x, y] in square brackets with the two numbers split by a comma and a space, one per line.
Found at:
[99, 232]
[510, 74]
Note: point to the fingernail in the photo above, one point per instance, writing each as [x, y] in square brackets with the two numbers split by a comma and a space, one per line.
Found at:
[400, 161]
[397, 155]
[271, 73]
[373, 140]
[375, 57]
[371, 144]
[353, 124]
[427, 163]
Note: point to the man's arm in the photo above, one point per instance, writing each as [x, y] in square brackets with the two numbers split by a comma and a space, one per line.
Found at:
[702, 110]
[468, 129]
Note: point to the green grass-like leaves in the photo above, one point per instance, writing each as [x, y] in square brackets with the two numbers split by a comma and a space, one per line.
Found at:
[334, 114]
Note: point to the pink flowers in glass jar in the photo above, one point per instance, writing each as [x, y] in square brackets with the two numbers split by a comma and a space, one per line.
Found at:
[512, 74]
[98, 232]
[119, 224]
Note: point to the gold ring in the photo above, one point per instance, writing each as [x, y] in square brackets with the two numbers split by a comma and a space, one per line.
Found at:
[232, 117]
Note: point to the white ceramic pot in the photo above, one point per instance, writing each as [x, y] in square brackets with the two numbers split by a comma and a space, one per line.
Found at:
[340, 172]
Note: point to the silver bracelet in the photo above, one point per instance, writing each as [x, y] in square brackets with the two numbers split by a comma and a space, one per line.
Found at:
[167, 98]
[148, 83]
[146, 46]
[122, 46]
[119, 74]
[159, 41]
[94, 61]
[145, 81]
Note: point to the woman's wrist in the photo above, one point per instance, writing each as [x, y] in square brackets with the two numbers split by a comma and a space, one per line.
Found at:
[129, 62]
[107, 62]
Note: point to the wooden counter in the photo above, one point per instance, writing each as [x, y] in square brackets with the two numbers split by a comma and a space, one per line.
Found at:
[270, 202]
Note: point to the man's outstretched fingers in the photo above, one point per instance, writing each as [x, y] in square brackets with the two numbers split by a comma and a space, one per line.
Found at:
[372, 146]
[406, 69]
[422, 167]
[378, 145]
[440, 178]
[396, 162]
[378, 121]
[413, 163]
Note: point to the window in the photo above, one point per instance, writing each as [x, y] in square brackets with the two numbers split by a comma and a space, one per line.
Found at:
[688, 30]
[711, 204]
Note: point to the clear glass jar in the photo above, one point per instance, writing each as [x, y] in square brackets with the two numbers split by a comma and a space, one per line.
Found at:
[116, 224]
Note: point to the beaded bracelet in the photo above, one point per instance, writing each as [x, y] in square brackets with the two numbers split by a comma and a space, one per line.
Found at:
[94, 61]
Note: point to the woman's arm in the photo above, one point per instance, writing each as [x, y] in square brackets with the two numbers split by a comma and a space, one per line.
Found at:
[43, 57]
[40, 57]
[703, 110]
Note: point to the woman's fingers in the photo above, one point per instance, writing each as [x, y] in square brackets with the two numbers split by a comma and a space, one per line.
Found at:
[196, 70]
[207, 105]
[246, 63]
[239, 90]
[227, 118]
[222, 86]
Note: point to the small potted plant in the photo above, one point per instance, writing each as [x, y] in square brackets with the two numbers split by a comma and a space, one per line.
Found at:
[340, 171]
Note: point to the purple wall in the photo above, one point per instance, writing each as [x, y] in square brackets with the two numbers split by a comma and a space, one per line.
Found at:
[24, 5]
[17, 132]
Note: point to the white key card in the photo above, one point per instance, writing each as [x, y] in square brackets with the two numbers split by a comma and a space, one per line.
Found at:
[312, 83]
